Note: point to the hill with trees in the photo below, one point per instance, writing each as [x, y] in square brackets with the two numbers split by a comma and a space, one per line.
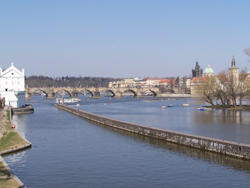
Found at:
[45, 81]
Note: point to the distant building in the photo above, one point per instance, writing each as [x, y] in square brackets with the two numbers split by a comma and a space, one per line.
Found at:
[128, 82]
[208, 71]
[197, 72]
[140, 82]
[164, 82]
[233, 72]
[152, 82]
[12, 86]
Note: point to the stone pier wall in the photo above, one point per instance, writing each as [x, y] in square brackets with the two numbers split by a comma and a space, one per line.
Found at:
[234, 149]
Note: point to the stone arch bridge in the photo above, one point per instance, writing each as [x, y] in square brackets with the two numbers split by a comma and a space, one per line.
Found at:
[50, 92]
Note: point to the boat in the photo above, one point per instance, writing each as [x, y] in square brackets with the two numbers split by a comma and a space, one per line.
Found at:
[185, 104]
[170, 105]
[67, 100]
[163, 107]
[202, 109]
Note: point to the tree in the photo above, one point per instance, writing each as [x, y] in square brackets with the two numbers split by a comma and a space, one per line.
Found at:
[247, 52]
[177, 81]
[243, 85]
[171, 82]
[205, 89]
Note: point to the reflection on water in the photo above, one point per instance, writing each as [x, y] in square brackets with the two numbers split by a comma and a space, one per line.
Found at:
[17, 158]
[238, 164]
[222, 116]
[20, 122]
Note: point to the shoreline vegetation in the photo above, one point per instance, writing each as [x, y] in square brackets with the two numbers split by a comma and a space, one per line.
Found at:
[10, 141]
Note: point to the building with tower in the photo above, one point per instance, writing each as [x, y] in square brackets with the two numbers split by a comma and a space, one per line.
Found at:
[197, 72]
[233, 72]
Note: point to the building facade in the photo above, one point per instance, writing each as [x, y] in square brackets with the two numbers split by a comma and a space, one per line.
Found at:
[12, 86]
[152, 82]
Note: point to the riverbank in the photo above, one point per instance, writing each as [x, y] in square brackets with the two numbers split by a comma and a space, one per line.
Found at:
[10, 141]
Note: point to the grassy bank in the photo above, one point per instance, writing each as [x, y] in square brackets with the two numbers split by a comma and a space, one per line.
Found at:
[5, 180]
[10, 138]
[239, 108]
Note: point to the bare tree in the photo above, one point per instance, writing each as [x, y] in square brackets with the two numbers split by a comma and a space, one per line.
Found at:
[243, 85]
[205, 89]
[225, 88]
[221, 89]
[247, 52]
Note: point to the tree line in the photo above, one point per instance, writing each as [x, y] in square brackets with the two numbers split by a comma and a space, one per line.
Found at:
[45, 81]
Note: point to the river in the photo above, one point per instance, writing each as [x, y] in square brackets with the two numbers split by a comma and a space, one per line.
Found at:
[69, 151]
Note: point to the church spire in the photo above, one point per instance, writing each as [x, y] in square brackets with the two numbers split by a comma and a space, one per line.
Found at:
[233, 62]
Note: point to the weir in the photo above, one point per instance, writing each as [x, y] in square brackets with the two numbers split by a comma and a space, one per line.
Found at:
[238, 150]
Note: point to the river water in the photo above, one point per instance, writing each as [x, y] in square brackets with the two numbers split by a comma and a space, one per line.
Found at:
[69, 151]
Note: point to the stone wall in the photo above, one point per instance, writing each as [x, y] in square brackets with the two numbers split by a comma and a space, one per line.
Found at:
[215, 145]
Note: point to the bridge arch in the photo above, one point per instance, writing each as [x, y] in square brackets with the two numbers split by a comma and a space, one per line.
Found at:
[63, 90]
[38, 89]
[85, 91]
[108, 90]
[132, 91]
[151, 91]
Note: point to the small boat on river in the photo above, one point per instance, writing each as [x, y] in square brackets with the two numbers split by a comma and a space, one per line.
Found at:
[185, 104]
[67, 100]
[170, 105]
[202, 109]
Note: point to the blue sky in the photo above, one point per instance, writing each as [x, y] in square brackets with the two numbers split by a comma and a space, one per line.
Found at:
[123, 38]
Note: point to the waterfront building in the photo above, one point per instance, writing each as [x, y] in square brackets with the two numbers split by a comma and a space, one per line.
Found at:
[197, 72]
[115, 84]
[164, 82]
[12, 86]
[128, 82]
[152, 82]
[139, 81]
[110, 84]
[208, 71]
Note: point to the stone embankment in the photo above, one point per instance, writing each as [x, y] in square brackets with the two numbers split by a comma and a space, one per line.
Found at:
[234, 149]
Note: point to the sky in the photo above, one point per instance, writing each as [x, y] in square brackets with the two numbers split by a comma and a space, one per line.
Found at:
[123, 38]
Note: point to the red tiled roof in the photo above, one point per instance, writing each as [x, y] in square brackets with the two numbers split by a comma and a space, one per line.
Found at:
[164, 81]
[195, 79]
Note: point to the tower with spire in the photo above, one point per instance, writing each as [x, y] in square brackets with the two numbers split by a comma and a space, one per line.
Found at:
[197, 72]
[234, 72]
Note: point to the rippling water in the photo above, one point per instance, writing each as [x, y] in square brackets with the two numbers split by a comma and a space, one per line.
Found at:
[69, 151]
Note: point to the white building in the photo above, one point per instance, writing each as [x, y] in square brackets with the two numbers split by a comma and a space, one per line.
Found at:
[12, 86]
[152, 82]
